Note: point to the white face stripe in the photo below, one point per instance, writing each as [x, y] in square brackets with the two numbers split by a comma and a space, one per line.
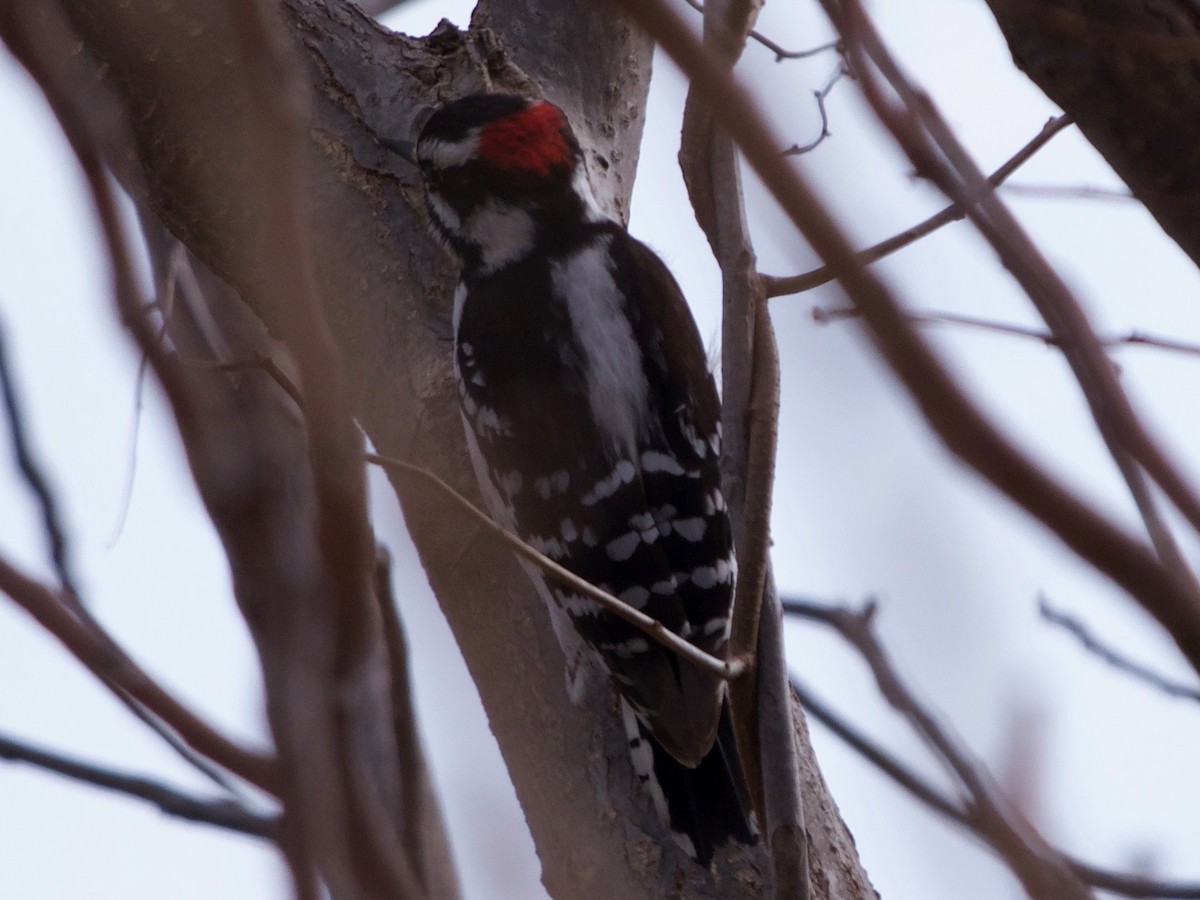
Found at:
[447, 154]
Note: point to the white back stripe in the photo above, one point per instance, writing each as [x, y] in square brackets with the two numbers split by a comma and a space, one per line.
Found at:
[617, 390]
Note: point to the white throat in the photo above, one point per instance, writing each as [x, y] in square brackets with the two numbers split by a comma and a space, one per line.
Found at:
[503, 234]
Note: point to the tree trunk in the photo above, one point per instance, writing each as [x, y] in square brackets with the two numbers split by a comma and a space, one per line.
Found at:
[386, 290]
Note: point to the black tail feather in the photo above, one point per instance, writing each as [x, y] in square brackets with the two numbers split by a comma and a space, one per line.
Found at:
[708, 804]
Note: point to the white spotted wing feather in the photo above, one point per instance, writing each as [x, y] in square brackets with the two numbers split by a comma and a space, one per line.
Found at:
[594, 423]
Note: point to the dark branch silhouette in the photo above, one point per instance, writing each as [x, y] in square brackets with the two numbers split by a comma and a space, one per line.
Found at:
[221, 812]
[1119, 661]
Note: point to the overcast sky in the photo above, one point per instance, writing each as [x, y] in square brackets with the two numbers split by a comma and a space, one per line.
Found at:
[867, 504]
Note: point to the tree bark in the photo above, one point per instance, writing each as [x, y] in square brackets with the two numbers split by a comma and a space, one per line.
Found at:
[386, 289]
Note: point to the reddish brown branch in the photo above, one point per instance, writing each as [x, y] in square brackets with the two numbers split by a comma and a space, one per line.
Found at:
[278, 152]
[934, 149]
[100, 654]
[961, 426]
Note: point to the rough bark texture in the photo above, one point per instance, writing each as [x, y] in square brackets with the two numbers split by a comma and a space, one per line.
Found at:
[1128, 73]
[386, 288]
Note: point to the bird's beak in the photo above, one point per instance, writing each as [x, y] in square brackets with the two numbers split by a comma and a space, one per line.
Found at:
[404, 149]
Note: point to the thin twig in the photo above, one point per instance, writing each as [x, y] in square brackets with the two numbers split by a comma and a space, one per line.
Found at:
[820, 95]
[1139, 487]
[795, 284]
[780, 53]
[1068, 192]
[652, 628]
[198, 761]
[220, 812]
[1114, 658]
[823, 315]
[31, 471]
[167, 282]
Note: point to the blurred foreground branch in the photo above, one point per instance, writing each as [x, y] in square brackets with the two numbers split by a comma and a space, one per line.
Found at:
[984, 810]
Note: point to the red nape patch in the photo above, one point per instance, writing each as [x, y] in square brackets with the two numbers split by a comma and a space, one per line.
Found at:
[530, 140]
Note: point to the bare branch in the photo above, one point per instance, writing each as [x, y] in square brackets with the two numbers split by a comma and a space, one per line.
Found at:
[934, 149]
[799, 149]
[760, 706]
[427, 847]
[783, 812]
[964, 429]
[1116, 882]
[101, 654]
[1114, 658]
[824, 315]
[796, 284]
[780, 53]
[270, 79]
[223, 812]
[1042, 870]
[31, 471]
[277, 153]
[652, 628]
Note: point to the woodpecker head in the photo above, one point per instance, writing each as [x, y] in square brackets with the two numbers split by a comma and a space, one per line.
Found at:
[502, 173]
